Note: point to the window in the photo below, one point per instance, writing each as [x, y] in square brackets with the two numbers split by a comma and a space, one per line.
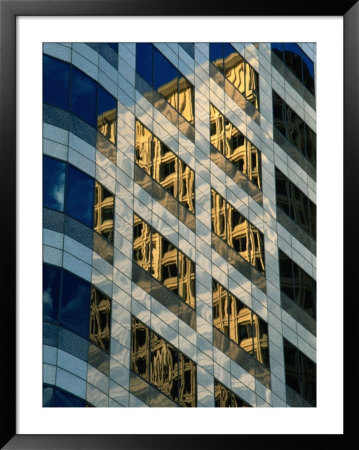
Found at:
[100, 319]
[300, 372]
[235, 146]
[104, 212]
[240, 324]
[237, 232]
[164, 166]
[165, 78]
[68, 88]
[298, 62]
[158, 256]
[295, 204]
[236, 70]
[57, 398]
[79, 195]
[297, 284]
[54, 183]
[162, 365]
[225, 398]
[294, 129]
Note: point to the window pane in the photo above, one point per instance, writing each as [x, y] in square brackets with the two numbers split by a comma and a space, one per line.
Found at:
[252, 85]
[186, 280]
[188, 47]
[277, 48]
[300, 211]
[103, 212]
[186, 99]
[218, 215]
[304, 290]
[225, 398]
[165, 262]
[279, 113]
[144, 61]
[313, 220]
[286, 274]
[260, 340]
[187, 381]
[56, 82]
[106, 114]
[310, 145]
[295, 130]
[308, 379]
[165, 78]
[83, 97]
[291, 362]
[63, 399]
[282, 191]
[51, 292]
[113, 45]
[217, 130]
[216, 55]
[238, 232]
[254, 165]
[241, 329]
[186, 185]
[164, 366]
[75, 304]
[141, 243]
[53, 183]
[140, 349]
[80, 196]
[165, 167]
[221, 309]
[143, 146]
[257, 248]
[100, 317]
[308, 73]
[234, 68]
[293, 58]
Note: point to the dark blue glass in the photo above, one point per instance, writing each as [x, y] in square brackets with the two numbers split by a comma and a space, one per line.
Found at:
[75, 304]
[216, 54]
[188, 47]
[83, 97]
[113, 45]
[56, 82]
[105, 101]
[53, 183]
[47, 393]
[228, 49]
[51, 292]
[277, 48]
[163, 72]
[144, 61]
[79, 196]
[293, 59]
[65, 400]
[308, 73]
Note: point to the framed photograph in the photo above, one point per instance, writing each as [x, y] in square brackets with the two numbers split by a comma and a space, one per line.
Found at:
[170, 180]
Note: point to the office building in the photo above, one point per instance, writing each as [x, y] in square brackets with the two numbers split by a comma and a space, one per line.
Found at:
[179, 224]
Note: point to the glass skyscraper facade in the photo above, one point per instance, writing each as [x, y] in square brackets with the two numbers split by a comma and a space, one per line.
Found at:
[179, 225]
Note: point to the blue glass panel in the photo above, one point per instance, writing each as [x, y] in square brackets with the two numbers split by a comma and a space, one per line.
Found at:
[188, 47]
[144, 61]
[113, 45]
[47, 393]
[80, 196]
[216, 54]
[106, 114]
[228, 49]
[293, 58]
[83, 96]
[56, 82]
[53, 183]
[51, 292]
[277, 48]
[65, 400]
[308, 73]
[75, 304]
[163, 71]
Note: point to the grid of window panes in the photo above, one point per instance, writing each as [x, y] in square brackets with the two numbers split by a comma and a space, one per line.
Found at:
[295, 204]
[163, 366]
[166, 263]
[237, 232]
[234, 319]
[165, 79]
[236, 70]
[226, 398]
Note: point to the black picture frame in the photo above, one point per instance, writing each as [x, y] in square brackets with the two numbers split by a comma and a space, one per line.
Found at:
[9, 10]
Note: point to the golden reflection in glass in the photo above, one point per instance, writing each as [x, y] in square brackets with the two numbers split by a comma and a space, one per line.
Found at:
[220, 307]
[186, 185]
[186, 100]
[234, 70]
[169, 91]
[188, 383]
[257, 248]
[100, 316]
[106, 124]
[186, 279]
[240, 329]
[252, 85]
[164, 262]
[164, 167]
[164, 367]
[238, 232]
[103, 212]
[141, 243]
[140, 358]
[218, 215]
[225, 398]
[143, 146]
[260, 340]
[227, 139]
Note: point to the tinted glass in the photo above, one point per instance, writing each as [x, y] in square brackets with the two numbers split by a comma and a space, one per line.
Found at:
[293, 58]
[141, 243]
[286, 274]
[221, 308]
[252, 85]
[103, 212]
[310, 145]
[165, 167]
[186, 280]
[185, 185]
[75, 304]
[106, 114]
[83, 97]
[234, 68]
[277, 48]
[53, 183]
[282, 191]
[241, 329]
[140, 349]
[218, 215]
[186, 99]
[51, 292]
[188, 47]
[47, 394]
[308, 378]
[295, 130]
[300, 211]
[216, 55]
[308, 73]
[100, 319]
[217, 129]
[254, 166]
[143, 147]
[165, 78]
[260, 340]
[63, 399]
[80, 196]
[56, 82]
[279, 113]
[113, 45]
[256, 239]
[313, 219]
[144, 61]
[291, 362]
[168, 262]
[187, 381]
[225, 398]
[238, 232]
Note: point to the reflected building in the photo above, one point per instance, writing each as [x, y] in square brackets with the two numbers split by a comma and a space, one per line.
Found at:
[179, 225]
